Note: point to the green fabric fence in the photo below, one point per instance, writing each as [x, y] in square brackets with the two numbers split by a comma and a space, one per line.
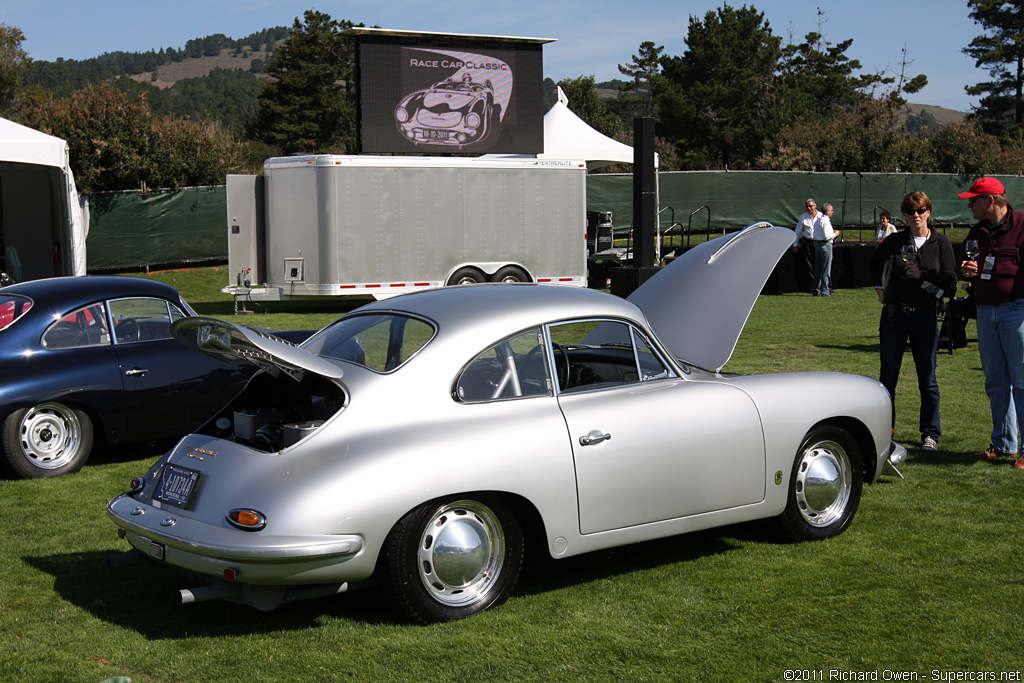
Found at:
[129, 230]
[734, 199]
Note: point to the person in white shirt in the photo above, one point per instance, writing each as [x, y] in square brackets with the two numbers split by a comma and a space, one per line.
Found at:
[803, 247]
[885, 227]
[823, 235]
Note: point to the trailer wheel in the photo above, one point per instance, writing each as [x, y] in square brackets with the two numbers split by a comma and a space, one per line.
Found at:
[510, 274]
[467, 276]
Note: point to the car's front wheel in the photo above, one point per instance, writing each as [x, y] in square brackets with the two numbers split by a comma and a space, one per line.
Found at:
[47, 440]
[825, 486]
[450, 560]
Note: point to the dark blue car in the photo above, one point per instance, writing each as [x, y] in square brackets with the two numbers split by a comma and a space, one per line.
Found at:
[85, 358]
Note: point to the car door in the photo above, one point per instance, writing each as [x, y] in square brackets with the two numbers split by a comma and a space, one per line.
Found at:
[168, 387]
[652, 445]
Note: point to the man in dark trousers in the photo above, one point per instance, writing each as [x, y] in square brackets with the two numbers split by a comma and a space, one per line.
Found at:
[803, 247]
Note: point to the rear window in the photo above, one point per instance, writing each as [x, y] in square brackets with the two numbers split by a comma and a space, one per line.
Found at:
[380, 342]
[11, 308]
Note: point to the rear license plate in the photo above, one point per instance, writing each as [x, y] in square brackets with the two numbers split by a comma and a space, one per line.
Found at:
[176, 485]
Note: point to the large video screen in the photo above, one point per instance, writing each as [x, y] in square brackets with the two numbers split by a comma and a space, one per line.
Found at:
[446, 94]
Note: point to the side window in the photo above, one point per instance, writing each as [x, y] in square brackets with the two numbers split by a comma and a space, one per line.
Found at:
[591, 354]
[84, 327]
[140, 319]
[513, 368]
[11, 308]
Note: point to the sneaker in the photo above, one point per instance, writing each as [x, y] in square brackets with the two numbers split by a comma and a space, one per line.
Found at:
[930, 443]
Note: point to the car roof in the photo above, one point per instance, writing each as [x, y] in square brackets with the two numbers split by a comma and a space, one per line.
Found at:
[63, 293]
[504, 308]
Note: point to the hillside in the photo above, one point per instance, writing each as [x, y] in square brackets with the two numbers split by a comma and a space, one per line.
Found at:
[197, 67]
[941, 114]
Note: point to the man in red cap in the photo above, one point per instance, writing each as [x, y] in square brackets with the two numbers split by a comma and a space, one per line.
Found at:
[998, 284]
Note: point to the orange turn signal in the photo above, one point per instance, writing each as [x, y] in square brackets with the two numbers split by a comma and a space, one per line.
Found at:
[249, 520]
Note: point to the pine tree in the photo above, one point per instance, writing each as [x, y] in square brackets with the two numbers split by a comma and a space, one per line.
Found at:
[309, 106]
[1000, 51]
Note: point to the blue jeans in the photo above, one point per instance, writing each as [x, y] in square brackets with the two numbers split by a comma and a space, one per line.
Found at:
[921, 330]
[1001, 347]
[822, 267]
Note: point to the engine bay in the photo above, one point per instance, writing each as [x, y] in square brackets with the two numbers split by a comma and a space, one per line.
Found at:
[275, 412]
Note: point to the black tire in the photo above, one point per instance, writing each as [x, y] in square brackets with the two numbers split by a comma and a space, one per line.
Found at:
[467, 276]
[450, 560]
[510, 274]
[825, 486]
[47, 440]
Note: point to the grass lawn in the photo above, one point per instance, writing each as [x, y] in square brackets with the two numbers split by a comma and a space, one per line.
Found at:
[929, 579]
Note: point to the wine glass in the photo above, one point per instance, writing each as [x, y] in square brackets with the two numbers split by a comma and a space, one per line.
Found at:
[971, 249]
[908, 252]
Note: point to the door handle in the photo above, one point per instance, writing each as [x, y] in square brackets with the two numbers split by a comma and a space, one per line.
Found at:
[594, 440]
[137, 372]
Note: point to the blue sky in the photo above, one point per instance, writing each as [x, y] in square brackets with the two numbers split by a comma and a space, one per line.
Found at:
[593, 36]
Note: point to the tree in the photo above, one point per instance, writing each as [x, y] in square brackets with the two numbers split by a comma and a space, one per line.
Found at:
[116, 144]
[645, 69]
[12, 60]
[1000, 51]
[585, 103]
[308, 107]
[712, 100]
[820, 81]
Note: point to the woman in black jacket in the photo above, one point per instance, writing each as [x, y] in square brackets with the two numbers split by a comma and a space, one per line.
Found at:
[913, 271]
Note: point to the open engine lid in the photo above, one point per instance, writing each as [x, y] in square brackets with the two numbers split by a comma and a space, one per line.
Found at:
[232, 343]
[698, 304]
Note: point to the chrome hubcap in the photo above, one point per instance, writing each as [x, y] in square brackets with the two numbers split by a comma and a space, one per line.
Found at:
[823, 483]
[461, 553]
[50, 435]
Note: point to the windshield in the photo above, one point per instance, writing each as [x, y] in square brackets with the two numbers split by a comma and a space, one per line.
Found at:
[381, 342]
[11, 308]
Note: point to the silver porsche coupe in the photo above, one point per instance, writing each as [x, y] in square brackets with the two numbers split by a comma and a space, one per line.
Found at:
[420, 441]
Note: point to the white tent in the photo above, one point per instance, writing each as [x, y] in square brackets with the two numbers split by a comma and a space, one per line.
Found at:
[43, 223]
[567, 136]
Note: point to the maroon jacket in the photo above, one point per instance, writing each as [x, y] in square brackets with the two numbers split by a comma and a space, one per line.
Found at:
[1004, 243]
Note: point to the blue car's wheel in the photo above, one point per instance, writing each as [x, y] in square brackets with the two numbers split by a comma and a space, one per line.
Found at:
[47, 440]
[447, 561]
[825, 486]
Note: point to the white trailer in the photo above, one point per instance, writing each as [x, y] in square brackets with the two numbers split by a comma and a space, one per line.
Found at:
[328, 225]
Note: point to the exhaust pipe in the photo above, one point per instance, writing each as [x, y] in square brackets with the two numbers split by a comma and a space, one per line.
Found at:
[218, 591]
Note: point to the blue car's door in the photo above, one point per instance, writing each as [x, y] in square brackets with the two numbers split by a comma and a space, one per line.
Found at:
[169, 388]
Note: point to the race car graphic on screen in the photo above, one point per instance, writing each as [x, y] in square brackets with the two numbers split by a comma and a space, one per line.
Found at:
[455, 113]
[464, 108]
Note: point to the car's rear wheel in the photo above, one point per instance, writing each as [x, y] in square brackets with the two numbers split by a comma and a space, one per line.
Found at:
[510, 274]
[467, 276]
[825, 486]
[47, 440]
[451, 560]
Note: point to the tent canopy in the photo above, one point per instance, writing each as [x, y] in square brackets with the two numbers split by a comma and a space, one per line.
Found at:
[43, 224]
[568, 137]
[27, 146]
